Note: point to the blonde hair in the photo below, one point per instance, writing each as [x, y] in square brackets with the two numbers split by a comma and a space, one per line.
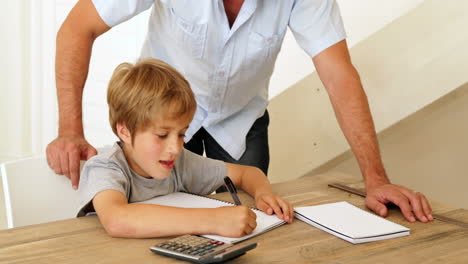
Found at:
[138, 93]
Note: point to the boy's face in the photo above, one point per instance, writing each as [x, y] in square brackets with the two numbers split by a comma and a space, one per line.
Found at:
[155, 150]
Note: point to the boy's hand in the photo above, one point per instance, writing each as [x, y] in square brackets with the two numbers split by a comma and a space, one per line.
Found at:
[271, 203]
[235, 221]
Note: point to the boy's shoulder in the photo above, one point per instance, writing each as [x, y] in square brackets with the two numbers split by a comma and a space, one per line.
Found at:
[199, 174]
[190, 158]
[190, 163]
[109, 157]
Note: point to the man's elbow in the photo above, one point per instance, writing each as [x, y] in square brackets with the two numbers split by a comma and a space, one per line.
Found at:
[344, 84]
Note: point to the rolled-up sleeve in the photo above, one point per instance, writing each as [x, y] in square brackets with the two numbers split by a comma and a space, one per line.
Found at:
[114, 12]
[316, 25]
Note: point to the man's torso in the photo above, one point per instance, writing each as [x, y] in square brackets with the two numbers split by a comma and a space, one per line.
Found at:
[227, 49]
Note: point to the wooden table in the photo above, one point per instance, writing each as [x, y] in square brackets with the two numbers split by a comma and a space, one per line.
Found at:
[83, 240]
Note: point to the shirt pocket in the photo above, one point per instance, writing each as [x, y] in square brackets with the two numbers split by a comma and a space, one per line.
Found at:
[261, 52]
[191, 36]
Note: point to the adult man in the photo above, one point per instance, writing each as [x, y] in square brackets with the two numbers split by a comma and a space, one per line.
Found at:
[226, 50]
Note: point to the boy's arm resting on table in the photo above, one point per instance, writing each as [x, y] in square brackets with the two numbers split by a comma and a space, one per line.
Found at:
[352, 111]
[121, 219]
[254, 182]
[74, 43]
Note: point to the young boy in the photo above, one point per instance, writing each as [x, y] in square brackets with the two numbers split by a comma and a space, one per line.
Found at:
[150, 107]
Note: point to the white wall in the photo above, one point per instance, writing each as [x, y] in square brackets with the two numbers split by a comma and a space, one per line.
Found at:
[29, 130]
[361, 18]
[28, 105]
[14, 79]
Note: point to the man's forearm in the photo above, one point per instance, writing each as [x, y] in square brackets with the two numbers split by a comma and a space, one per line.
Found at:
[352, 111]
[71, 68]
[353, 114]
[74, 44]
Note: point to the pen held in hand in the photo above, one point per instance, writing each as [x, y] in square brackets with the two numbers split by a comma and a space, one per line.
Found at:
[232, 190]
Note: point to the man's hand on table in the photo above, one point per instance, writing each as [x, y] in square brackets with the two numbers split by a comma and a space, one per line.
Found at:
[412, 204]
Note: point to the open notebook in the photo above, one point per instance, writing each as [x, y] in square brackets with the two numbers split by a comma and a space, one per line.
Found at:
[349, 222]
[186, 200]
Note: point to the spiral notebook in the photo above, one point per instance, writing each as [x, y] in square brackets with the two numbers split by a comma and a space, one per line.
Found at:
[349, 222]
[186, 200]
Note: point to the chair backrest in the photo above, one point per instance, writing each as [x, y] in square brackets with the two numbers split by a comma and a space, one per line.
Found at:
[35, 194]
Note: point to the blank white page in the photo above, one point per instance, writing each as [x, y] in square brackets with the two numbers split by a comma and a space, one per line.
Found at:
[349, 220]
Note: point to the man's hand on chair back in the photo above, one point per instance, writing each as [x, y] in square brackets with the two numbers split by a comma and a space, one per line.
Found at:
[64, 155]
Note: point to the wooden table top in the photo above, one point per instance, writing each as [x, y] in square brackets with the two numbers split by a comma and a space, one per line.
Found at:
[83, 240]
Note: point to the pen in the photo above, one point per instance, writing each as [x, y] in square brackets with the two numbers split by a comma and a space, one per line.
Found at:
[232, 190]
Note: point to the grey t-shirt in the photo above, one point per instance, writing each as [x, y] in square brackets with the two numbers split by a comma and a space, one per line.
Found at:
[110, 171]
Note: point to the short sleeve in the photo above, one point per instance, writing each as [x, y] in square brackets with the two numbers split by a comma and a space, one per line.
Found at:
[98, 176]
[316, 25]
[200, 175]
[114, 12]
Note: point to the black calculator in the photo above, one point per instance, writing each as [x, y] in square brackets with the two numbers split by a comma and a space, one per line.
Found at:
[198, 249]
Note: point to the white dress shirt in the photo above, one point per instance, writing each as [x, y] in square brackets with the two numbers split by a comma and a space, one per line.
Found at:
[228, 68]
